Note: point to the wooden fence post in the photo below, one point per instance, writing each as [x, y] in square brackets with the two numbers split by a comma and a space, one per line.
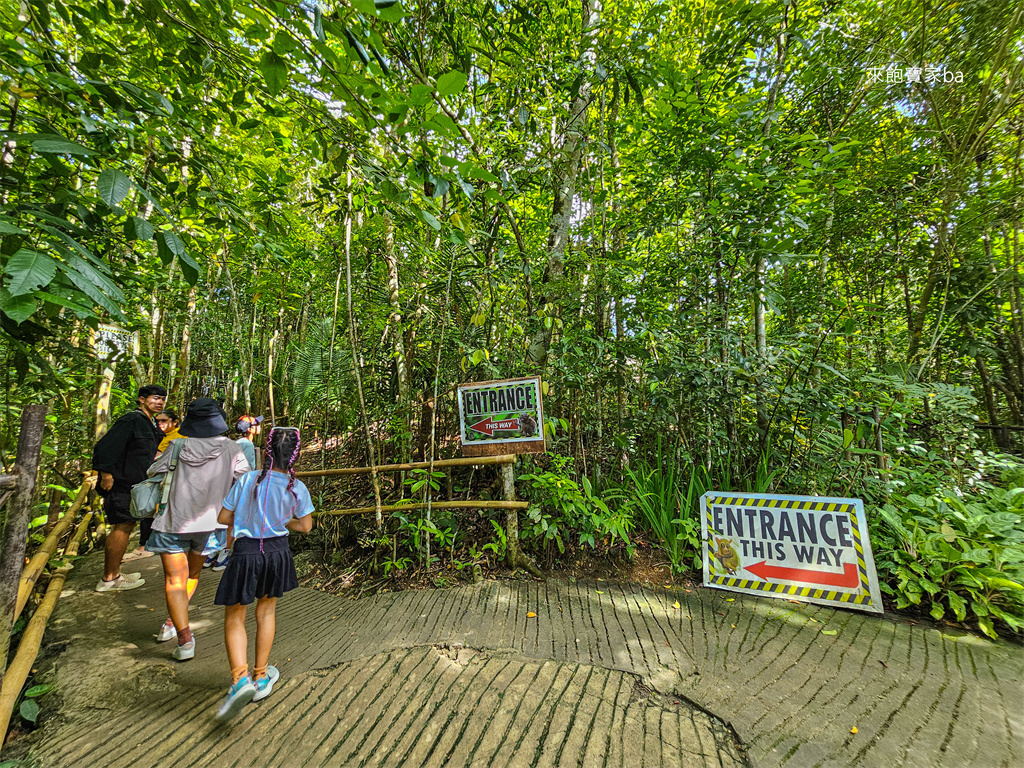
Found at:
[15, 535]
[514, 554]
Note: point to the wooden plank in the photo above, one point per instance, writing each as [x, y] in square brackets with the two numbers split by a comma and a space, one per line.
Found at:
[434, 505]
[504, 458]
[490, 449]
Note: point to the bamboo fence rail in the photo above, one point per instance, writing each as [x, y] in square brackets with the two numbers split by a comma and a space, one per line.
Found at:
[18, 671]
[498, 504]
[42, 556]
[439, 464]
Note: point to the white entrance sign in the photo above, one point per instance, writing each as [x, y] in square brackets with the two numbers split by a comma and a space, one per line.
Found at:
[811, 548]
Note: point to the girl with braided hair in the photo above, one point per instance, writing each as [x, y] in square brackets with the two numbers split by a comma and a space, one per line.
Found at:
[261, 509]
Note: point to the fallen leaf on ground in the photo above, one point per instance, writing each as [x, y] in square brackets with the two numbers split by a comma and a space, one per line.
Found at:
[600, 592]
[531, 615]
[730, 599]
[676, 604]
[854, 729]
[830, 631]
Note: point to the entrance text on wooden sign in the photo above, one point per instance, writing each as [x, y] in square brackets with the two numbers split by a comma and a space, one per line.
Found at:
[812, 548]
[506, 413]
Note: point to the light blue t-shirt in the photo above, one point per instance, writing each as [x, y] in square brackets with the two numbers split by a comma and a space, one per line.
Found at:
[264, 516]
[248, 449]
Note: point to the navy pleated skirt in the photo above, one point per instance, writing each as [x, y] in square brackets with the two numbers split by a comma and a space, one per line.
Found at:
[252, 574]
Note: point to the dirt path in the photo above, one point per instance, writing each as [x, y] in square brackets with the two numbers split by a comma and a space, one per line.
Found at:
[604, 675]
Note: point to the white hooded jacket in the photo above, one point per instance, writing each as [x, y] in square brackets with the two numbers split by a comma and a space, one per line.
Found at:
[207, 468]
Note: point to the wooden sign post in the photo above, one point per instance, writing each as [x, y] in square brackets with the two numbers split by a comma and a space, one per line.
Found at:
[503, 417]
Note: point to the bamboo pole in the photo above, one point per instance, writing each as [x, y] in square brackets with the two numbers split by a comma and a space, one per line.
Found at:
[436, 505]
[463, 462]
[17, 673]
[42, 556]
[83, 527]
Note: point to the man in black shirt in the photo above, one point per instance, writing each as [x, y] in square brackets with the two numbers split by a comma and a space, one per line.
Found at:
[122, 457]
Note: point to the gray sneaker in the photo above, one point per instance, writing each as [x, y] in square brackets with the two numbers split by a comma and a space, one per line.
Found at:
[186, 651]
[122, 583]
[265, 685]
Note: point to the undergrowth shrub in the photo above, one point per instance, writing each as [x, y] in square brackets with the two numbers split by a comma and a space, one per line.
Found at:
[561, 507]
[957, 555]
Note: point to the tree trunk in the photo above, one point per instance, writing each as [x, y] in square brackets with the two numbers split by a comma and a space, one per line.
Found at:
[563, 181]
[15, 535]
[398, 338]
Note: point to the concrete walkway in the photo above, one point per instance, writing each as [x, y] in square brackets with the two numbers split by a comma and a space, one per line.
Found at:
[603, 675]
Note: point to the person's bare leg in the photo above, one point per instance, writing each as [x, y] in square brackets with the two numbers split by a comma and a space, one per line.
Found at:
[176, 573]
[114, 549]
[266, 625]
[195, 567]
[236, 641]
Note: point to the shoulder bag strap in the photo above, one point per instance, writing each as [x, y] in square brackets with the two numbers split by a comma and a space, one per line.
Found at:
[165, 492]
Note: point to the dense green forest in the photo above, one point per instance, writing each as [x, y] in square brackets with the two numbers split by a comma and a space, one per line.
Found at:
[748, 245]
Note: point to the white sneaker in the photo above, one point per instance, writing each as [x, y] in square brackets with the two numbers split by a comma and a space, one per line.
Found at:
[186, 651]
[122, 583]
[167, 632]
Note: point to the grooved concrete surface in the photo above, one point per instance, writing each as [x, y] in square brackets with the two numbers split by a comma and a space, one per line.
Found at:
[604, 675]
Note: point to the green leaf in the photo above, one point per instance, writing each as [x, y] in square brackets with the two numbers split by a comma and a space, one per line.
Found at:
[93, 284]
[830, 631]
[429, 219]
[451, 82]
[29, 710]
[29, 271]
[189, 267]
[937, 611]
[168, 245]
[18, 308]
[476, 172]
[113, 186]
[59, 146]
[6, 228]
[275, 72]
[389, 10]
[60, 301]
[318, 24]
[138, 229]
[958, 605]
[1004, 583]
[847, 439]
[38, 690]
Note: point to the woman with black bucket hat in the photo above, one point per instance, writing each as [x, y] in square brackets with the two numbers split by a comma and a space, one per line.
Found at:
[187, 531]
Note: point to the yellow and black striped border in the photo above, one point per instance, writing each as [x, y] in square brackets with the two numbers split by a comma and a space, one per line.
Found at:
[863, 595]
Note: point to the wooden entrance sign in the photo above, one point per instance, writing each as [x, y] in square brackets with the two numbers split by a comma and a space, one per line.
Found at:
[501, 417]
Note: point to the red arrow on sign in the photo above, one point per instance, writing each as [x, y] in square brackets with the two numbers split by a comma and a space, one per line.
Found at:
[488, 425]
[848, 579]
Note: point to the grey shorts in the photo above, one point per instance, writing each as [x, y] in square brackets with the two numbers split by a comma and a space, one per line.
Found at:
[201, 543]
